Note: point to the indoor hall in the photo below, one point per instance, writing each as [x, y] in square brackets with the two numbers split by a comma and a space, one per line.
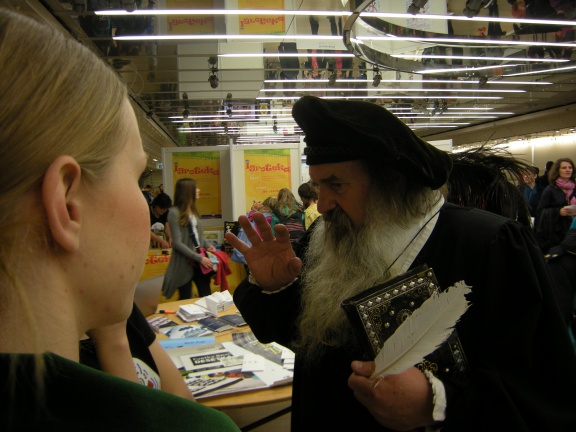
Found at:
[213, 99]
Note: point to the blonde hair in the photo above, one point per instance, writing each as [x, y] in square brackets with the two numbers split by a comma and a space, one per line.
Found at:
[287, 203]
[185, 199]
[58, 98]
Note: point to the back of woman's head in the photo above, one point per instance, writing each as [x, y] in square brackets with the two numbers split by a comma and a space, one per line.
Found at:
[185, 198]
[58, 98]
[271, 203]
[287, 201]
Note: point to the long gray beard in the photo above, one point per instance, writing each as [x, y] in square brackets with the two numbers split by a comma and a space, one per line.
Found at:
[342, 262]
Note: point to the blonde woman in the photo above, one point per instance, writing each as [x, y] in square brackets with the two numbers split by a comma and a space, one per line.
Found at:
[188, 241]
[75, 240]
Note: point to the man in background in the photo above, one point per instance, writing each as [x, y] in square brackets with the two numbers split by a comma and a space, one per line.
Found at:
[159, 230]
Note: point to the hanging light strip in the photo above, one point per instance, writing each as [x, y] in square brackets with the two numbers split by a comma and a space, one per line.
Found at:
[380, 97]
[481, 19]
[428, 81]
[560, 69]
[298, 54]
[385, 89]
[527, 59]
[447, 40]
[444, 116]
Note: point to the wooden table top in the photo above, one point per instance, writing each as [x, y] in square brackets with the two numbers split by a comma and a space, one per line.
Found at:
[236, 400]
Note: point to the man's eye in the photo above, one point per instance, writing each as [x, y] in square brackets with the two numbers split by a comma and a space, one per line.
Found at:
[336, 186]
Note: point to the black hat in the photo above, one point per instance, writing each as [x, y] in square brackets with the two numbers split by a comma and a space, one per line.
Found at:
[339, 131]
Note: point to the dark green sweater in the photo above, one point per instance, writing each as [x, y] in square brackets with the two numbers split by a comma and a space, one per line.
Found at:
[79, 398]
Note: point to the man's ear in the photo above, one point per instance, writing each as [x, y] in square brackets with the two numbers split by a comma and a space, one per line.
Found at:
[60, 198]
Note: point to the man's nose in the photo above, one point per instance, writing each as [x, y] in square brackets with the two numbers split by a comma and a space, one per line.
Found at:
[325, 202]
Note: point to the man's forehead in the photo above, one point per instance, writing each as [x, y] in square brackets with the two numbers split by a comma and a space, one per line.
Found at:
[330, 171]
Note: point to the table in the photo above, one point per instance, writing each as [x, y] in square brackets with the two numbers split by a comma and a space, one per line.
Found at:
[237, 400]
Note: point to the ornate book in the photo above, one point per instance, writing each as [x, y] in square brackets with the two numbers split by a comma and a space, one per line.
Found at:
[376, 313]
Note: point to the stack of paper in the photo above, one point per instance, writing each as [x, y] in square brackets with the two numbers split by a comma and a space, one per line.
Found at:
[216, 302]
[192, 312]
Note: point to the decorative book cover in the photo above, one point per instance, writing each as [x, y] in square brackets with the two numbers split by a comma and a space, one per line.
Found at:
[376, 313]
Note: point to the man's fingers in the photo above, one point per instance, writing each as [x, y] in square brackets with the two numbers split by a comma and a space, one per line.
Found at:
[263, 226]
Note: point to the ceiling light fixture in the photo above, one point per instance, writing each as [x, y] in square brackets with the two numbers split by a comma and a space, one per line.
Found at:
[473, 7]
[416, 5]
[186, 112]
[230, 12]
[213, 78]
[332, 80]
[377, 77]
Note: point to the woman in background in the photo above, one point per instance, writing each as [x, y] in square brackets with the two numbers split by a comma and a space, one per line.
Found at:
[187, 242]
[289, 213]
[554, 218]
[75, 239]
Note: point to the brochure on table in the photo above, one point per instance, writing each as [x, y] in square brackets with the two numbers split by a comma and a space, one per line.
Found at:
[215, 369]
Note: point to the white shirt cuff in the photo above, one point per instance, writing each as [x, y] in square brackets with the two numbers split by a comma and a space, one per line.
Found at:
[439, 399]
[253, 282]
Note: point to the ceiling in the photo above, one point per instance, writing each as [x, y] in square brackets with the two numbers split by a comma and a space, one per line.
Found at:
[170, 88]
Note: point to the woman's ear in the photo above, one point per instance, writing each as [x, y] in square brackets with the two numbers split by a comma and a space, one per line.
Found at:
[60, 197]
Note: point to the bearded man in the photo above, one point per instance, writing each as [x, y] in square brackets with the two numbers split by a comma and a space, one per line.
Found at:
[382, 215]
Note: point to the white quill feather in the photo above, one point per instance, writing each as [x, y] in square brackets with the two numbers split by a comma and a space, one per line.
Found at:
[423, 331]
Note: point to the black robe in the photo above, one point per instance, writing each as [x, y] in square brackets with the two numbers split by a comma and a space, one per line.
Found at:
[522, 370]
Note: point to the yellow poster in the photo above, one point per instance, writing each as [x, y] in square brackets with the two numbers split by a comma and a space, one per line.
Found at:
[261, 24]
[204, 167]
[265, 173]
[190, 24]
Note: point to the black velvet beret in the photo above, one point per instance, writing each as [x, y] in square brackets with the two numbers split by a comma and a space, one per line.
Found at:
[340, 130]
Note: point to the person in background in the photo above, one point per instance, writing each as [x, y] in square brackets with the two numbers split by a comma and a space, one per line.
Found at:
[155, 192]
[264, 207]
[544, 180]
[68, 268]
[159, 215]
[529, 191]
[383, 214]
[308, 193]
[562, 264]
[187, 244]
[147, 192]
[289, 213]
[484, 178]
[554, 215]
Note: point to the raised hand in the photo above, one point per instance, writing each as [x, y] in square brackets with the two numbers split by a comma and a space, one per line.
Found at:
[272, 261]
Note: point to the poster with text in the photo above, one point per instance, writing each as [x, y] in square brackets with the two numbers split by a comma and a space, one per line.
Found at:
[265, 173]
[190, 24]
[261, 24]
[204, 167]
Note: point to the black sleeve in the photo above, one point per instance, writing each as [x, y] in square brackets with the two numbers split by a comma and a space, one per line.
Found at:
[271, 317]
[140, 336]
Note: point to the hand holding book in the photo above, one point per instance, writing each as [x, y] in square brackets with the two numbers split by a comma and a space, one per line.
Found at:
[385, 321]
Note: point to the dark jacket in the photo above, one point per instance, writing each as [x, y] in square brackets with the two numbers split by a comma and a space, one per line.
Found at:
[513, 336]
